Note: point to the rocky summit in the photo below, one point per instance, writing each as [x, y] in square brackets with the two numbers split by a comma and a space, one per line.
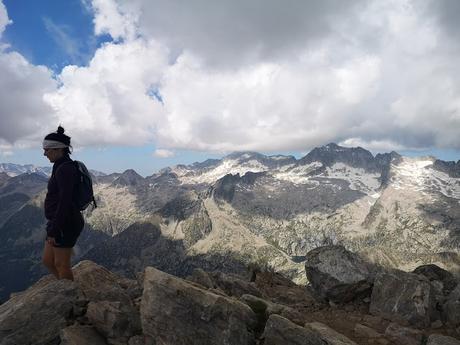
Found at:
[249, 209]
[261, 307]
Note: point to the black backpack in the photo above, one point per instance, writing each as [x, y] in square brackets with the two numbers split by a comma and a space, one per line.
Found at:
[84, 189]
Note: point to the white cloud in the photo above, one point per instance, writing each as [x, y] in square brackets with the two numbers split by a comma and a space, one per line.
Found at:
[6, 153]
[23, 112]
[108, 102]
[162, 153]
[264, 75]
[4, 20]
[229, 33]
[6, 150]
[373, 145]
[22, 85]
[263, 107]
[112, 19]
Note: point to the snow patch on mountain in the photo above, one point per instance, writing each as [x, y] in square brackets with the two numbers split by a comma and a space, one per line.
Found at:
[230, 166]
[444, 184]
[279, 157]
[13, 170]
[416, 174]
[299, 174]
[358, 178]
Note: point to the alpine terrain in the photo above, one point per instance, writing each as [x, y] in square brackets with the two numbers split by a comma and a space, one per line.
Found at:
[247, 209]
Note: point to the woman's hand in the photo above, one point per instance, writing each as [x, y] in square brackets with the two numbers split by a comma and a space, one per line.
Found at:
[51, 240]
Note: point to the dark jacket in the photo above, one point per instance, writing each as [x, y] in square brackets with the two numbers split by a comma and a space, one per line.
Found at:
[63, 216]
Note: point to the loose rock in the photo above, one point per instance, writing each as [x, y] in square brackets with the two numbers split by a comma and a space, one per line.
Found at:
[98, 283]
[328, 335]
[403, 335]
[113, 319]
[81, 335]
[233, 285]
[37, 315]
[403, 297]
[366, 332]
[451, 309]
[280, 330]
[174, 312]
[264, 309]
[437, 339]
[201, 277]
[436, 273]
[337, 274]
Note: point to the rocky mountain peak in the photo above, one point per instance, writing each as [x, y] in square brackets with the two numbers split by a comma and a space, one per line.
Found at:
[224, 188]
[28, 183]
[386, 158]
[451, 168]
[260, 161]
[128, 178]
[17, 169]
[330, 154]
[244, 156]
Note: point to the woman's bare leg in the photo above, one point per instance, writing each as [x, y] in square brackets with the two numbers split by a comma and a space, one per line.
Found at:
[48, 259]
[62, 262]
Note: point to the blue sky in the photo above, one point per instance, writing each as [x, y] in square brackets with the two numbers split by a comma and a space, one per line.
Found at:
[148, 84]
[51, 33]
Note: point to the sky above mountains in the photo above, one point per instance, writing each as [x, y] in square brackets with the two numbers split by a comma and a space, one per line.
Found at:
[148, 83]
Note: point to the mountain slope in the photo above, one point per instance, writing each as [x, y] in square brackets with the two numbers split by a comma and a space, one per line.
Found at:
[270, 210]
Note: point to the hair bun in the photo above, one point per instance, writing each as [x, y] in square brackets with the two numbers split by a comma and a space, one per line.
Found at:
[60, 130]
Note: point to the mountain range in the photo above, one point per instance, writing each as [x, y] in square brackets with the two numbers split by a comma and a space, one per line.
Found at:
[247, 209]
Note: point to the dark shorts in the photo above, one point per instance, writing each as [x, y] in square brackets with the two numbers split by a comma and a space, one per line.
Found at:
[69, 236]
[66, 241]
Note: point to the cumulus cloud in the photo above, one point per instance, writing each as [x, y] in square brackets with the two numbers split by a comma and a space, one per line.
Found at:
[110, 101]
[266, 76]
[234, 32]
[4, 21]
[162, 153]
[22, 86]
[111, 18]
[23, 112]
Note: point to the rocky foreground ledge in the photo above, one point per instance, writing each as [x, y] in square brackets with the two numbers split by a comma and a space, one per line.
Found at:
[348, 302]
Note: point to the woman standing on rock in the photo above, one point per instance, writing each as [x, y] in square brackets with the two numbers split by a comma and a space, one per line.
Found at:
[65, 221]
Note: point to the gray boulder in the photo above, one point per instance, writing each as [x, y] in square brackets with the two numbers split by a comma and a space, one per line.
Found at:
[81, 335]
[137, 340]
[438, 339]
[99, 284]
[280, 330]
[451, 309]
[199, 276]
[406, 298]
[173, 311]
[328, 335]
[114, 320]
[37, 315]
[233, 285]
[439, 276]
[338, 274]
[403, 335]
[366, 332]
[264, 309]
